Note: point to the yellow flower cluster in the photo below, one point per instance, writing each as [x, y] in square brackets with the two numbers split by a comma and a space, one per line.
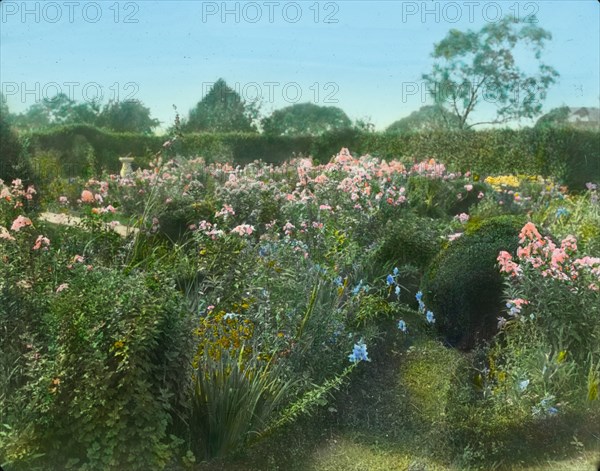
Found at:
[504, 182]
[501, 181]
[224, 331]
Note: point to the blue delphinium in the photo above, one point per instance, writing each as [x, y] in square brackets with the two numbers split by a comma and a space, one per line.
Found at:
[419, 298]
[397, 291]
[359, 353]
[402, 325]
[357, 287]
[523, 385]
[390, 280]
[430, 317]
[396, 271]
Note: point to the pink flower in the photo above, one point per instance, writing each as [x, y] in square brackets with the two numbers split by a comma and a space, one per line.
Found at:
[462, 217]
[87, 196]
[62, 287]
[41, 241]
[507, 265]
[19, 223]
[325, 207]
[63, 200]
[529, 231]
[78, 259]
[468, 187]
[453, 237]
[4, 234]
[243, 229]
[480, 195]
[288, 228]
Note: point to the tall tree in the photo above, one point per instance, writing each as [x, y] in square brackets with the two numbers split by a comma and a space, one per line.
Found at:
[222, 110]
[305, 119]
[127, 116]
[471, 67]
[426, 118]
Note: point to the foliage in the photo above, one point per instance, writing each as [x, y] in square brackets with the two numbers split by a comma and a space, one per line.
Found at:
[12, 159]
[569, 155]
[108, 377]
[426, 118]
[222, 110]
[126, 116]
[462, 285]
[232, 398]
[480, 66]
[305, 119]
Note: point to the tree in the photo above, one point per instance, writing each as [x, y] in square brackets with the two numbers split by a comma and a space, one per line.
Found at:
[12, 162]
[4, 111]
[426, 118]
[127, 116]
[305, 119]
[475, 66]
[55, 111]
[222, 110]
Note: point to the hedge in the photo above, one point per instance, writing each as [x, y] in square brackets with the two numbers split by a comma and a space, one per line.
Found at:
[571, 155]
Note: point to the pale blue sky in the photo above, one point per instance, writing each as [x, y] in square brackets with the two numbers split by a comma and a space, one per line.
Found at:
[367, 62]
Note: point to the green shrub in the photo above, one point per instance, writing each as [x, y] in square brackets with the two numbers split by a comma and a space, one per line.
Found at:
[111, 372]
[463, 286]
[12, 159]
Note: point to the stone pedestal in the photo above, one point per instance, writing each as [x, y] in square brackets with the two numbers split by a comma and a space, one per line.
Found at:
[126, 169]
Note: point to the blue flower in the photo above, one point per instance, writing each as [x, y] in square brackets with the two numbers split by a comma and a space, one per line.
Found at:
[338, 281]
[390, 280]
[402, 325]
[359, 353]
[421, 306]
[357, 287]
[562, 212]
[430, 317]
[419, 296]
[552, 410]
[396, 271]
[523, 385]
[397, 291]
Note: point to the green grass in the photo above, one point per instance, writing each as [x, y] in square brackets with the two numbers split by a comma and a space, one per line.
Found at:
[397, 414]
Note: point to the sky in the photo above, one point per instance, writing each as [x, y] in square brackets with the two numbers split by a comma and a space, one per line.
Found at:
[366, 57]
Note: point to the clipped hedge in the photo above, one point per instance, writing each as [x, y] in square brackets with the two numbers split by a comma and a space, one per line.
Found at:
[463, 285]
[569, 154]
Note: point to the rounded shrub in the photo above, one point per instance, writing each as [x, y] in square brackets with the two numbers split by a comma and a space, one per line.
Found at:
[463, 285]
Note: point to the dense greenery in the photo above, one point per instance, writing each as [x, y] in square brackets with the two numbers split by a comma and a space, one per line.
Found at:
[247, 295]
[305, 119]
[571, 155]
[463, 286]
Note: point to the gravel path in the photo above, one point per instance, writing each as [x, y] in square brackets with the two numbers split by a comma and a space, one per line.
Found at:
[68, 220]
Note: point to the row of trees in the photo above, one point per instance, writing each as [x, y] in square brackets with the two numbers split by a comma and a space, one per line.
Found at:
[469, 68]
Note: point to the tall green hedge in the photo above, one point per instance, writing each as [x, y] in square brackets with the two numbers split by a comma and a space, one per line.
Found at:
[571, 155]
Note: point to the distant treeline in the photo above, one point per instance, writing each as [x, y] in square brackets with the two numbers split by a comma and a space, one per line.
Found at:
[571, 155]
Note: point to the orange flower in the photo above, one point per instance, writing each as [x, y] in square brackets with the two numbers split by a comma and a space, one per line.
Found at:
[87, 196]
